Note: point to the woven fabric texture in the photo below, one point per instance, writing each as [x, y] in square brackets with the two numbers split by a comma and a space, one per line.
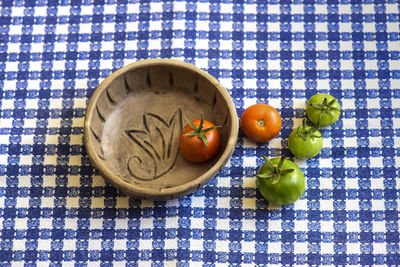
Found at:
[56, 210]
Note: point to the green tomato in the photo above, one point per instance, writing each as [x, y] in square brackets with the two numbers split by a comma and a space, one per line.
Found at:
[282, 183]
[305, 142]
[323, 109]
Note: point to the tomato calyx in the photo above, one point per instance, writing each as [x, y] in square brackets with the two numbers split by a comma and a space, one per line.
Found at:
[305, 132]
[274, 172]
[326, 107]
[199, 131]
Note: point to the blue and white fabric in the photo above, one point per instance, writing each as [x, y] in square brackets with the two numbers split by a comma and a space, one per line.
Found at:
[56, 210]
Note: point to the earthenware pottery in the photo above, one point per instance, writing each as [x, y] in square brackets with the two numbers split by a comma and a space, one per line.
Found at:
[134, 119]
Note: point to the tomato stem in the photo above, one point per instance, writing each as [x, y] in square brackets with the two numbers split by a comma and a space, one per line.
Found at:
[325, 107]
[303, 132]
[199, 131]
[275, 172]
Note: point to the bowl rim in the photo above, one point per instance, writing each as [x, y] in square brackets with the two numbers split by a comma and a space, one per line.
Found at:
[180, 190]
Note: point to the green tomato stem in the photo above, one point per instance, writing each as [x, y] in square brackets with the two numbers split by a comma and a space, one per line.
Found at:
[305, 132]
[199, 131]
[325, 108]
[275, 172]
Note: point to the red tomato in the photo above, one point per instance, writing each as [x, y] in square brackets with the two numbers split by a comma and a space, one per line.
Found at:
[260, 123]
[196, 149]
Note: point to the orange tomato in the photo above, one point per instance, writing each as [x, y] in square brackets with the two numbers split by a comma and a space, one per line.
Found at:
[260, 122]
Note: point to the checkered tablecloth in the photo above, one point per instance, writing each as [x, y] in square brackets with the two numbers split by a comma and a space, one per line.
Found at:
[56, 210]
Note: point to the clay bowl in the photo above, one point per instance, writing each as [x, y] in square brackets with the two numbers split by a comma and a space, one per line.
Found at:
[134, 119]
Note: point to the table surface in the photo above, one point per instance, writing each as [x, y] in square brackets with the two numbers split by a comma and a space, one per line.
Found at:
[55, 208]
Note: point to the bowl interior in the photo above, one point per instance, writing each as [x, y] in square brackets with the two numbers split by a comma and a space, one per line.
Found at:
[136, 118]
